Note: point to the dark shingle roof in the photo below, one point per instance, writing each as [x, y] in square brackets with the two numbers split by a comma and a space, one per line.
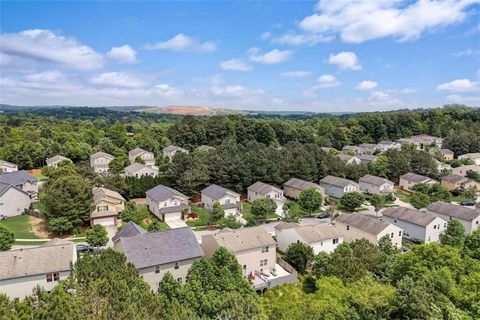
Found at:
[366, 223]
[129, 230]
[413, 177]
[454, 178]
[217, 192]
[156, 248]
[17, 178]
[338, 182]
[172, 148]
[263, 188]
[300, 184]
[162, 193]
[377, 181]
[172, 209]
[409, 215]
[453, 210]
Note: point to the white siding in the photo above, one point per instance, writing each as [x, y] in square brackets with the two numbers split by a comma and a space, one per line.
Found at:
[148, 274]
[13, 202]
[430, 233]
[21, 287]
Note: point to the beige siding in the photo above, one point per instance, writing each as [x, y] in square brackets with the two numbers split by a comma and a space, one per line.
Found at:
[353, 233]
[148, 274]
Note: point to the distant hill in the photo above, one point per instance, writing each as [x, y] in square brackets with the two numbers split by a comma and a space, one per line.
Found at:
[192, 110]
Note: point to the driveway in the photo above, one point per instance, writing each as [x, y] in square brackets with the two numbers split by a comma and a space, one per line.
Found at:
[175, 224]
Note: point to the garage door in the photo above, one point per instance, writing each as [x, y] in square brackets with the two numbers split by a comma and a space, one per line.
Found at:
[173, 216]
[109, 221]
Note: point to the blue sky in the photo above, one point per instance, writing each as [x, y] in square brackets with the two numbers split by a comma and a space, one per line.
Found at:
[270, 55]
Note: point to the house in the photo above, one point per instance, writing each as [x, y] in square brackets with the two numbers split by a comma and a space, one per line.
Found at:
[375, 185]
[205, 148]
[22, 270]
[169, 152]
[293, 187]
[130, 229]
[386, 145]
[442, 166]
[55, 160]
[229, 200]
[352, 150]
[147, 156]
[100, 161]
[6, 166]
[409, 180]
[462, 170]
[166, 203]
[470, 218]
[139, 170]
[22, 180]
[337, 187]
[367, 148]
[260, 190]
[422, 140]
[447, 154]
[13, 201]
[454, 181]
[155, 253]
[322, 237]
[475, 157]
[108, 204]
[366, 158]
[416, 225]
[356, 226]
[255, 251]
[348, 159]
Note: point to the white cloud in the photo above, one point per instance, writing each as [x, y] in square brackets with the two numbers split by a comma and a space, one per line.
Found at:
[236, 65]
[298, 39]
[167, 90]
[124, 54]
[296, 74]
[265, 35]
[118, 79]
[460, 85]
[366, 85]
[46, 46]
[345, 60]
[467, 53]
[362, 20]
[46, 76]
[235, 91]
[472, 100]
[326, 81]
[272, 57]
[379, 96]
[182, 42]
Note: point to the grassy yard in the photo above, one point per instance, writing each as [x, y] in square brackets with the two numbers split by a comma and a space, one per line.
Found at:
[20, 227]
[402, 195]
[202, 217]
[246, 208]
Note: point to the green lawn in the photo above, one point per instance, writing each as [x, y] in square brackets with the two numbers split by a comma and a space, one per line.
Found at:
[246, 208]
[202, 217]
[20, 227]
[402, 195]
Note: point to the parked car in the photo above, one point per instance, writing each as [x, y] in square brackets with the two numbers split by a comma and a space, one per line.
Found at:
[323, 215]
[84, 247]
[467, 203]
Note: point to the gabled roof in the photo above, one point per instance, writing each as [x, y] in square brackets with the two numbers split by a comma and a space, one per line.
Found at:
[7, 164]
[135, 167]
[129, 230]
[455, 178]
[300, 184]
[410, 215]
[5, 186]
[263, 188]
[54, 256]
[317, 232]
[172, 148]
[134, 153]
[162, 193]
[454, 211]
[103, 214]
[157, 248]
[17, 178]
[367, 157]
[172, 209]
[286, 225]
[473, 155]
[346, 157]
[101, 154]
[416, 178]
[99, 193]
[366, 223]
[244, 239]
[386, 142]
[374, 180]
[57, 158]
[446, 151]
[217, 192]
[367, 146]
[337, 182]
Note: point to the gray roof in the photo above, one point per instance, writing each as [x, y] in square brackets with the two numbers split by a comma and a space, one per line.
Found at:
[162, 193]
[173, 209]
[346, 157]
[416, 178]
[367, 146]
[157, 248]
[7, 164]
[244, 238]
[286, 225]
[172, 148]
[454, 178]
[473, 155]
[135, 167]
[57, 158]
[129, 230]
[410, 215]
[53, 256]
[446, 151]
[366, 223]
[355, 148]
[263, 188]
[338, 182]
[300, 184]
[367, 157]
[386, 142]
[5, 186]
[453, 210]
[376, 181]
[101, 154]
[136, 152]
[17, 178]
[217, 192]
[317, 232]
[205, 148]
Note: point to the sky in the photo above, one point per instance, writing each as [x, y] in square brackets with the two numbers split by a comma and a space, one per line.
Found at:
[323, 56]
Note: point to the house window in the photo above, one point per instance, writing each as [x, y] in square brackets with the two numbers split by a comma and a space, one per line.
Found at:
[348, 227]
[227, 201]
[179, 280]
[335, 240]
[263, 262]
[264, 249]
[102, 208]
[435, 226]
[445, 225]
[391, 235]
[49, 277]
[400, 233]
[176, 266]
[56, 276]
[157, 269]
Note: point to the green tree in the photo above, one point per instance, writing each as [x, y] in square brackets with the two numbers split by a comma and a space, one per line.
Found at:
[217, 212]
[263, 207]
[377, 201]
[155, 225]
[420, 200]
[352, 200]
[97, 236]
[471, 246]
[6, 238]
[299, 256]
[454, 235]
[321, 264]
[60, 225]
[229, 222]
[310, 200]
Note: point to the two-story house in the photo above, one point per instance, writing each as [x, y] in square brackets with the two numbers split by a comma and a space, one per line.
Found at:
[475, 157]
[100, 161]
[156, 253]
[293, 187]
[349, 159]
[375, 185]
[463, 170]
[229, 200]
[322, 237]
[56, 160]
[13, 201]
[255, 251]
[147, 156]
[139, 170]
[337, 187]
[386, 145]
[169, 151]
[22, 180]
[260, 190]
[454, 181]
[22, 270]
[409, 180]
[108, 204]
[6, 166]
[166, 203]
[416, 225]
[356, 226]
[469, 218]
